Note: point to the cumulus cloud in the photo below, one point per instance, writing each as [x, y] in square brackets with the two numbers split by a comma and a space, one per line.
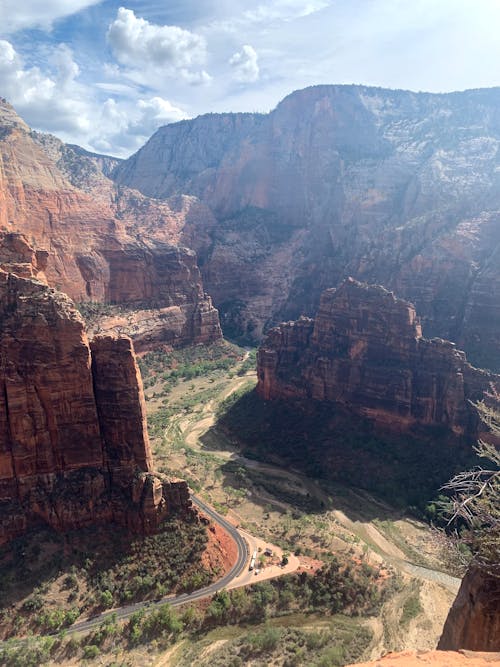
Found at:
[125, 126]
[44, 98]
[57, 102]
[245, 64]
[15, 15]
[137, 43]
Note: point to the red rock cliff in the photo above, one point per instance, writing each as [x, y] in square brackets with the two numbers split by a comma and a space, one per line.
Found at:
[365, 350]
[389, 186]
[474, 620]
[95, 241]
[74, 448]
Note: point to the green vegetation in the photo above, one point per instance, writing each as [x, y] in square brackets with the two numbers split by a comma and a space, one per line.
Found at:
[92, 311]
[411, 609]
[341, 643]
[186, 364]
[334, 589]
[52, 579]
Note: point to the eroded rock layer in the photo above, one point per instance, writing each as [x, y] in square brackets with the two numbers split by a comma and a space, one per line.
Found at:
[474, 620]
[389, 186]
[74, 448]
[63, 221]
[365, 351]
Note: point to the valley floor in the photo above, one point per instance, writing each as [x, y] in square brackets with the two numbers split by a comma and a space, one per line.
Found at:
[308, 517]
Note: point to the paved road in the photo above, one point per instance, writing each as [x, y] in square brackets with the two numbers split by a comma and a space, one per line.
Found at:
[175, 600]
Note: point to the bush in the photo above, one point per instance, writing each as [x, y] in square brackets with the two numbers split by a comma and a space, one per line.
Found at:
[91, 651]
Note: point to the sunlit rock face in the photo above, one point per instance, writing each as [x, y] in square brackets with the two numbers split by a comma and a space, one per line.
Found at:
[65, 222]
[364, 350]
[391, 187]
[74, 449]
[474, 620]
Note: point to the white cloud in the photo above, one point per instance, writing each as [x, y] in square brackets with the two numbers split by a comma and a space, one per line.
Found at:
[167, 49]
[53, 102]
[66, 67]
[285, 10]
[57, 102]
[245, 64]
[124, 127]
[16, 14]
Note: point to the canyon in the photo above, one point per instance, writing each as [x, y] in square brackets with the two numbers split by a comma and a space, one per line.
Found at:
[358, 395]
[270, 215]
[64, 221]
[365, 350]
[74, 448]
[388, 186]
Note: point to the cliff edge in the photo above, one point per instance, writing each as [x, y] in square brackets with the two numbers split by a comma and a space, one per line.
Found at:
[74, 448]
[365, 350]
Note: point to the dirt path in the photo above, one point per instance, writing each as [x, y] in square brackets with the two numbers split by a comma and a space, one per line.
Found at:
[434, 588]
[193, 430]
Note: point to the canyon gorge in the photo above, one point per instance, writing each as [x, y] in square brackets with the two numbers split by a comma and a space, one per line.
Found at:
[390, 187]
[352, 232]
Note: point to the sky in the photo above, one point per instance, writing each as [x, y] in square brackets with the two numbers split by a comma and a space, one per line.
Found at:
[105, 74]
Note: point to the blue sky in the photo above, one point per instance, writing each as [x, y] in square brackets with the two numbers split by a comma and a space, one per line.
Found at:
[106, 74]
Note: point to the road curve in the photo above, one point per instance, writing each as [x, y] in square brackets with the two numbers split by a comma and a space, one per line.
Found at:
[175, 600]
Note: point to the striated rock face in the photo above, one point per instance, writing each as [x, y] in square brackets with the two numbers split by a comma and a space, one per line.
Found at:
[63, 221]
[392, 187]
[474, 620]
[365, 350]
[74, 448]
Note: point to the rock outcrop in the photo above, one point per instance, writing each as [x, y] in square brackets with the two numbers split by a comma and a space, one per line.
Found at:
[365, 351]
[64, 221]
[392, 187]
[435, 659]
[74, 448]
[474, 620]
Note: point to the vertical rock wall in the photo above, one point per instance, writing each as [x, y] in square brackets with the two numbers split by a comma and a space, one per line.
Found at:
[74, 448]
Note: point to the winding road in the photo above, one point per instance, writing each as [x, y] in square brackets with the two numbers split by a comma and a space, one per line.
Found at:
[174, 600]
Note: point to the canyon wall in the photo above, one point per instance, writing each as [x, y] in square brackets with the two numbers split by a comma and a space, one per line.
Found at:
[96, 241]
[74, 449]
[391, 187]
[365, 350]
[473, 622]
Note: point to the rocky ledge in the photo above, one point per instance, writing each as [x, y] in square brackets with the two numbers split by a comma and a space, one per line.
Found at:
[474, 620]
[74, 448]
[365, 351]
[63, 221]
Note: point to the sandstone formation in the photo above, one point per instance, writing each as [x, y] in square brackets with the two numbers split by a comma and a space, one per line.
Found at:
[392, 187]
[435, 659]
[74, 448]
[365, 351]
[97, 241]
[474, 620]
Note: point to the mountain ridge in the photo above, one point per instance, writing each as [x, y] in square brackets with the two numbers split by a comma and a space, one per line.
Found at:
[391, 187]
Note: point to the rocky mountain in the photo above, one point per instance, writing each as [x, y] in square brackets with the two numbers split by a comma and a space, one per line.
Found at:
[474, 619]
[358, 396]
[365, 350]
[391, 187]
[74, 448]
[97, 241]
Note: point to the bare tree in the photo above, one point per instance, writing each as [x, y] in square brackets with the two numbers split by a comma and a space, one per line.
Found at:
[475, 501]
